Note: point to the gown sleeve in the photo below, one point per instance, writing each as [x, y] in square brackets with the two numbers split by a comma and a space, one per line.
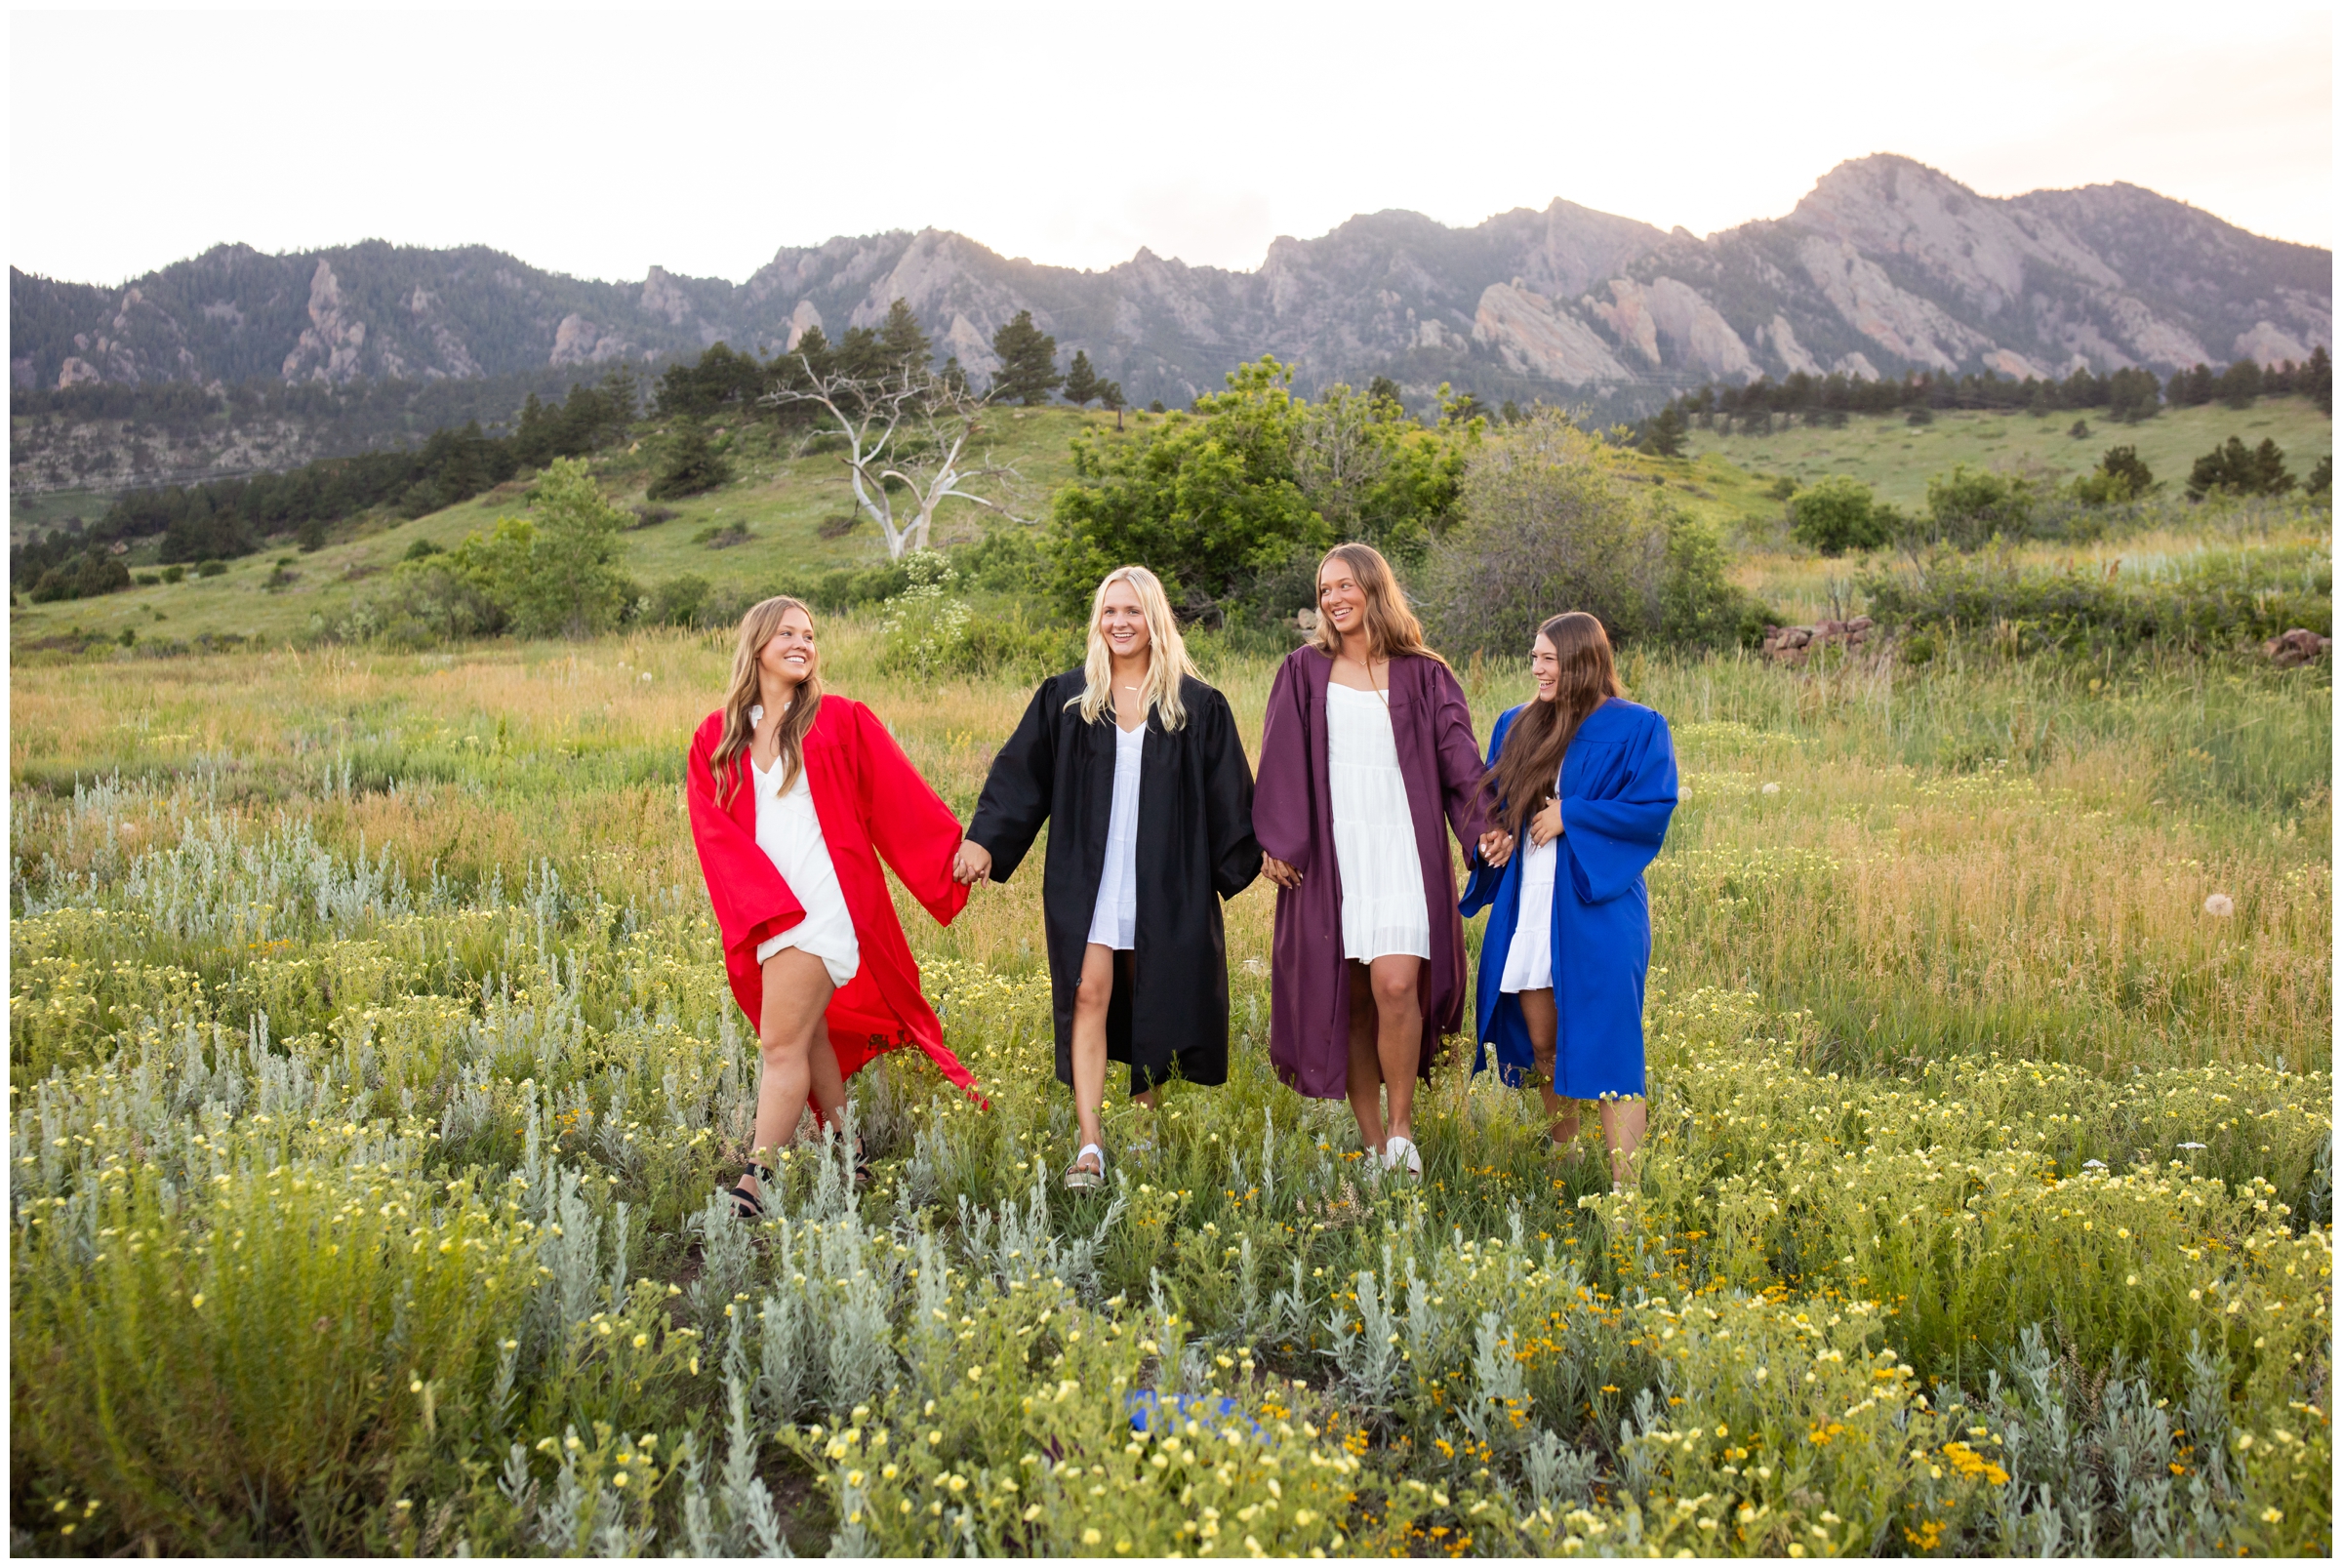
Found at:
[1481, 891]
[1235, 855]
[1460, 767]
[1612, 840]
[913, 831]
[1281, 807]
[753, 903]
[1019, 788]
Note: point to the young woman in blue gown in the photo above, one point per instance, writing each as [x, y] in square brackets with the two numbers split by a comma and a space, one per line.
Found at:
[1581, 784]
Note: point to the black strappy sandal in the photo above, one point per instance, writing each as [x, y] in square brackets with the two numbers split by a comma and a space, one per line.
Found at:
[747, 1205]
[863, 1173]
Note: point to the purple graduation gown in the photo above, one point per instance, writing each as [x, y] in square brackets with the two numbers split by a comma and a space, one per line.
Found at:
[1293, 817]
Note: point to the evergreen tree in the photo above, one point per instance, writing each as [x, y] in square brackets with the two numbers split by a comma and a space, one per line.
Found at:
[532, 442]
[902, 339]
[1110, 395]
[1383, 390]
[2316, 381]
[2241, 383]
[2132, 394]
[1028, 370]
[1081, 381]
[2235, 470]
[689, 466]
[2191, 387]
[861, 355]
[1664, 435]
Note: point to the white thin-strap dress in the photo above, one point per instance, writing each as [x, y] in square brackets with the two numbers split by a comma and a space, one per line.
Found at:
[1114, 918]
[789, 833]
[1529, 961]
[1382, 907]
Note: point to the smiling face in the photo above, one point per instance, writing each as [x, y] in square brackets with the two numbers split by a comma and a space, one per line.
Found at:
[1341, 597]
[788, 655]
[1545, 664]
[1122, 620]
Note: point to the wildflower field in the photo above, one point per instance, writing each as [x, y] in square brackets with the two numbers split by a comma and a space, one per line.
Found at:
[372, 1071]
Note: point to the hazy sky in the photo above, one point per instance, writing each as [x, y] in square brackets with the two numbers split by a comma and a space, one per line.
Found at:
[600, 142]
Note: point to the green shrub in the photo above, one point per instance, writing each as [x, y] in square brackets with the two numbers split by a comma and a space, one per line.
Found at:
[1968, 508]
[174, 574]
[2222, 600]
[1547, 526]
[214, 566]
[688, 466]
[677, 601]
[926, 629]
[1840, 514]
[85, 576]
[2233, 470]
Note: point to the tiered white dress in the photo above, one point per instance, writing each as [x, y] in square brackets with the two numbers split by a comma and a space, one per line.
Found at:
[789, 833]
[1382, 907]
[1114, 918]
[1529, 961]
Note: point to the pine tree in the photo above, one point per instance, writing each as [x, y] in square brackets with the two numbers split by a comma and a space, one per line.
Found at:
[1383, 390]
[1027, 371]
[1081, 381]
[2316, 380]
[1664, 435]
[905, 345]
[689, 466]
[1110, 395]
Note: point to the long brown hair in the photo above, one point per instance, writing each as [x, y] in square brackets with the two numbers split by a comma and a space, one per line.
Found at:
[1522, 779]
[1392, 629]
[756, 629]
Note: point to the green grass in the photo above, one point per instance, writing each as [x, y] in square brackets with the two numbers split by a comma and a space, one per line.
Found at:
[372, 1065]
[781, 497]
[1895, 459]
[32, 513]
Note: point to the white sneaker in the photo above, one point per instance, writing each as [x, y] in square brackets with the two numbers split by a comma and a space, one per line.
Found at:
[1401, 1151]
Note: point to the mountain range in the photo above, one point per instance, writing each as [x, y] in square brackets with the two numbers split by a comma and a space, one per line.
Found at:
[1886, 267]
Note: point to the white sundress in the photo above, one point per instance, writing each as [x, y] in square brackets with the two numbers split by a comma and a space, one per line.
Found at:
[789, 833]
[1114, 918]
[1529, 961]
[1382, 907]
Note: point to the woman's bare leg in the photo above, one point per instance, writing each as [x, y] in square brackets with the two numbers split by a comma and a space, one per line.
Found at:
[796, 990]
[829, 1083]
[1091, 999]
[1622, 1124]
[1398, 983]
[1544, 1021]
[1366, 1088]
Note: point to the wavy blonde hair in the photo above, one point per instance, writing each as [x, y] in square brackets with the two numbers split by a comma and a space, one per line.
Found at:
[1167, 652]
[1392, 629]
[756, 629]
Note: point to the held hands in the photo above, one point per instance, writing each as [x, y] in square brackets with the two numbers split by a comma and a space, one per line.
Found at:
[1496, 847]
[1545, 825]
[1278, 871]
[972, 865]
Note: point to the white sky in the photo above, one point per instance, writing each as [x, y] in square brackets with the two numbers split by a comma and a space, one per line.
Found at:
[600, 142]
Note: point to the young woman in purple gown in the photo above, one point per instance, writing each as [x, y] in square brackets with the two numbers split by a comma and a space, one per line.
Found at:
[1367, 761]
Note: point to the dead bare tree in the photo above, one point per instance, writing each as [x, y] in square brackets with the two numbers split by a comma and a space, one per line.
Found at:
[910, 426]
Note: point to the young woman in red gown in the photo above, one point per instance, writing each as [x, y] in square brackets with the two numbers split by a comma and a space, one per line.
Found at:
[795, 796]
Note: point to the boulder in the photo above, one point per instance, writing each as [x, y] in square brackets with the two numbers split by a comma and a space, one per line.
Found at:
[2297, 647]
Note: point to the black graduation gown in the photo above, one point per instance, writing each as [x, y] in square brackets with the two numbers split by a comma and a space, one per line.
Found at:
[1195, 848]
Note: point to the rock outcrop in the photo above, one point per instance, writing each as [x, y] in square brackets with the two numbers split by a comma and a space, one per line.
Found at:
[1885, 267]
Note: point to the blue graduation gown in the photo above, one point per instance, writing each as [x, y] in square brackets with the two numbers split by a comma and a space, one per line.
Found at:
[1618, 791]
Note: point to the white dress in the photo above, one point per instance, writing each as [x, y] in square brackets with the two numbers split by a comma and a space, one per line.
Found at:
[1114, 919]
[1529, 961]
[1382, 907]
[789, 833]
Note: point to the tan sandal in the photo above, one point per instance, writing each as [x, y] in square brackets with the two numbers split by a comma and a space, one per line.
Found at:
[1079, 1179]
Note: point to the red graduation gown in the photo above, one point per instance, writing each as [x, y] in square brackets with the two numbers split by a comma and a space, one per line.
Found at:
[871, 802]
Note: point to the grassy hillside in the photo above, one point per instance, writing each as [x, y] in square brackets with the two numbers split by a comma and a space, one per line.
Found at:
[786, 498]
[1895, 459]
[800, 514]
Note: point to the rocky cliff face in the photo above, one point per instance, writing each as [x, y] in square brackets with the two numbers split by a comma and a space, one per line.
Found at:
[1886, 267]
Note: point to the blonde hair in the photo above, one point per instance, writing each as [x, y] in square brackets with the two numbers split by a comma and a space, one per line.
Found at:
[756, 629]
[1392, 629]
[1167, 652]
